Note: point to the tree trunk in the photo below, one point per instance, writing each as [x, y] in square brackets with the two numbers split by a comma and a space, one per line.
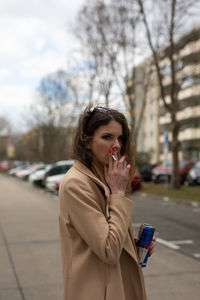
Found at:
[175, 180]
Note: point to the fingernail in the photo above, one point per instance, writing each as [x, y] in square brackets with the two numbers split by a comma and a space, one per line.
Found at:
[113, 148]
[110, 150]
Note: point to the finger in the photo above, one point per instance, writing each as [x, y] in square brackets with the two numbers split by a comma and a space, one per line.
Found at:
[127, 169]
[150, 253]
[114, 154]
[122, 159]
[110, 160]
[151, 250]
[121, 162]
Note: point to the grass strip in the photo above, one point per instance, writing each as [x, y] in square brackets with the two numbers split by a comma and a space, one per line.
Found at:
[187, 193]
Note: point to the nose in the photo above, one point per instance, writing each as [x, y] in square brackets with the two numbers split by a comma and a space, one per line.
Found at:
[116, 145]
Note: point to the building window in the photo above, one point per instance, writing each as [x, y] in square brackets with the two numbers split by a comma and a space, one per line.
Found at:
[189, 80]
[179, 64]
[165, 70]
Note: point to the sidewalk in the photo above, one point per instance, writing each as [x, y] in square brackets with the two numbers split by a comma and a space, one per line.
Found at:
[30, 266]
[171, 275]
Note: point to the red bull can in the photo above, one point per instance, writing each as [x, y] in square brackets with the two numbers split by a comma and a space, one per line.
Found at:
[145, 237]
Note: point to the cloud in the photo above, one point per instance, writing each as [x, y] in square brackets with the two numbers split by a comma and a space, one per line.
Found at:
[34, 42]
[14, 104]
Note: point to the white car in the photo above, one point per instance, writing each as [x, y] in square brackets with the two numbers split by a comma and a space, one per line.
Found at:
[24, 174]
[13, 171]
[53, 181]
[38, 176]
[56, 173]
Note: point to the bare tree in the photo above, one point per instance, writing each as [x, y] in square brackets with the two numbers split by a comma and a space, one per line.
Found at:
[51, 120]
[168, 24]
[92, 27]
[107, 30]
[4, 123]
[4, 136]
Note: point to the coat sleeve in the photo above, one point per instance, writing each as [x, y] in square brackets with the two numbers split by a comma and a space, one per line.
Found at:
[105, 237]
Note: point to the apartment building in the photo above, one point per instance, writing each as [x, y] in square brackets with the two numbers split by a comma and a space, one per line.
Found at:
[156, 121]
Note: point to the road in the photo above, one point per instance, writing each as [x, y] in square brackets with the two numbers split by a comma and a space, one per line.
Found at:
[177, 223]
[30, 267]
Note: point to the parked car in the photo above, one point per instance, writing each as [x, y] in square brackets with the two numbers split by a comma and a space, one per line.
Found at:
[193, 176]
[163, 172]
[52, 182]
[6, 165]
[57, 187]
[146, 172]
[136, 183]
[59, 168]
[13, 171]
[38, 176]
[24, 174]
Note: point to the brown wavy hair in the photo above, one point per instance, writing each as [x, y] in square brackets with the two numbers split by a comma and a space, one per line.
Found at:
[89, 121]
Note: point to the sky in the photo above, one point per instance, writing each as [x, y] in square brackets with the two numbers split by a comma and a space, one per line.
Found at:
[35, 41]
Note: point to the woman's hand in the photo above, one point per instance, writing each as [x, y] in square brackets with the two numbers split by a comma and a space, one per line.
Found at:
[152, 245]
[116, 174]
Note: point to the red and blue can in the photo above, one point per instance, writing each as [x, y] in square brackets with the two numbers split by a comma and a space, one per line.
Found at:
[145, 237]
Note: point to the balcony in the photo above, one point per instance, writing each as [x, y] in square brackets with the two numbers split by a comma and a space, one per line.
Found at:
[187, 113]
[185, 135]
[190, 48]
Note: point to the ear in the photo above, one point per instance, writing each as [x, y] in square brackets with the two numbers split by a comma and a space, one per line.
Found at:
[89, 144]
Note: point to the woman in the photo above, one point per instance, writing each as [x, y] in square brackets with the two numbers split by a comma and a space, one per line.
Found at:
[99, 254]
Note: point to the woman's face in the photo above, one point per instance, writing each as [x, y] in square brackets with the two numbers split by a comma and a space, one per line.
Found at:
[106, 137]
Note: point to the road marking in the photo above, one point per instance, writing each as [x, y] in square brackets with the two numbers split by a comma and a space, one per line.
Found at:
[186, 242]
[166, 199]
[173, 244]
[196, 255]
[169, 244]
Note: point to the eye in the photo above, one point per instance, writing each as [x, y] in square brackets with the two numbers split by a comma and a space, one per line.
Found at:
[106, 137]
[120, 138]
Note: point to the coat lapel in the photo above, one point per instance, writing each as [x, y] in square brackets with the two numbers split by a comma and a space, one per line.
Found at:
[129, 244]
[83, 169]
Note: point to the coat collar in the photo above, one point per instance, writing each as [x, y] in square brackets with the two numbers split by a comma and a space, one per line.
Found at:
[83, 169]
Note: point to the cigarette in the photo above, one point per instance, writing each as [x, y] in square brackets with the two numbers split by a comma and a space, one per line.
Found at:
[114, 157]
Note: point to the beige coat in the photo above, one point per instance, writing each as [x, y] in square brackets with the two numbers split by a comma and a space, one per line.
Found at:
[99, 257]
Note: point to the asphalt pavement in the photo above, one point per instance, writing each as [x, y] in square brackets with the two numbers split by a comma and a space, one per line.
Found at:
[30, 264]
[177, 223]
